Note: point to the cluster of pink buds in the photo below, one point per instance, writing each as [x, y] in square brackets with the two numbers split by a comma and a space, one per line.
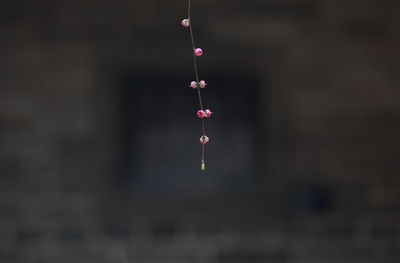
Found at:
[194, 85]
[197, 85]
[201, 113]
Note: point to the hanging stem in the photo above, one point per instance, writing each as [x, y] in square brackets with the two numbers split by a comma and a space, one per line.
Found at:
[197, 81]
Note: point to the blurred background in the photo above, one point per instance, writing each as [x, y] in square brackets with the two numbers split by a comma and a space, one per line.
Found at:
[99, 151]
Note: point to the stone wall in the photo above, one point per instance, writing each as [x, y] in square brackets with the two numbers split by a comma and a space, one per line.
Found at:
[329, 109]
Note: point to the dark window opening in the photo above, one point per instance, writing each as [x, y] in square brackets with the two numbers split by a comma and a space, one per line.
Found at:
[160, 149]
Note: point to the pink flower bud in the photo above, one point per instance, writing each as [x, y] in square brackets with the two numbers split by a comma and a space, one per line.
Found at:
[198, 52]
[208, 113]
[204, 139]
[201, 114]
[193, 84]
[202, 84]
[185, 22]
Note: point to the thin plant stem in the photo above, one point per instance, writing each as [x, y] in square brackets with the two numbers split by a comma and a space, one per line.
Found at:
[197, 80]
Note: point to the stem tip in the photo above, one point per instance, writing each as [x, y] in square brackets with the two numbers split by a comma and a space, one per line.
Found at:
[203, 166]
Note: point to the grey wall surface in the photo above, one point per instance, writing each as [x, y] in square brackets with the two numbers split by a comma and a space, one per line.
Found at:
[303, 162]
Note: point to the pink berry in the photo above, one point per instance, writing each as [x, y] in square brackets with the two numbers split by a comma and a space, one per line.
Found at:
[202, 84]
[193, 84]
[204, 139]
[201, 114]
[185, 22]
[198, 52]
[208, 113]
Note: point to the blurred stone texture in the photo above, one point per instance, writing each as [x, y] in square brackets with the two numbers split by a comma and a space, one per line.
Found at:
[332, 110]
